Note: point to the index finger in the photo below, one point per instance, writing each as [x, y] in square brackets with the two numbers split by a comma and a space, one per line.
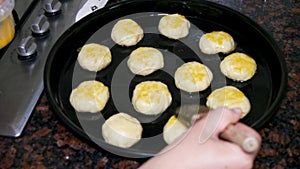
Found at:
[216, 121]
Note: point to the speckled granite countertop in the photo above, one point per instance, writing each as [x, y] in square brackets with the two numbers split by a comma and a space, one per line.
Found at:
[47, 143]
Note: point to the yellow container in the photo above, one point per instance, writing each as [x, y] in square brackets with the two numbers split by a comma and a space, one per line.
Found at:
[7, 25]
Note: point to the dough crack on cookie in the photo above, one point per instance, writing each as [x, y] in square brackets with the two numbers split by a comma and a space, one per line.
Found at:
[238, 66]
[122, 130]
[174, 26]
[215, 42]
[151, 97]
[89, 96]
[127, 32]
[145, 60]
[94, 57]
[229, 96]
[193, 77]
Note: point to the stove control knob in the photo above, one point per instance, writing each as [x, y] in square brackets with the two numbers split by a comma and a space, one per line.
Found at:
[52, 7]
[40, 27]
[27, 48]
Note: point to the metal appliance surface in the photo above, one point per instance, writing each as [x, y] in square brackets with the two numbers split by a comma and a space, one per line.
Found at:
[39, 23]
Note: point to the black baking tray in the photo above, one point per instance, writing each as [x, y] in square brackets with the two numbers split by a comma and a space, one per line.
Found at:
[62, 72]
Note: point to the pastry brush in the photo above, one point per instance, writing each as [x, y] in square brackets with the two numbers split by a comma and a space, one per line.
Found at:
[188, 114]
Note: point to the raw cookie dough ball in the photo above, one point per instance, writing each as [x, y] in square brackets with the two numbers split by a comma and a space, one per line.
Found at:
[215, 42]
[174, 26]
[229, 96]
[89, 96]
[145, 60]
[173, 129]
[238, 66]
[193, 77]
[151, 97]
[122, 130]
[94, 57]
[127, 32]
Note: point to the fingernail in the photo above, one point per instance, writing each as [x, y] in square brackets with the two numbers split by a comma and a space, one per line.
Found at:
[237, 110]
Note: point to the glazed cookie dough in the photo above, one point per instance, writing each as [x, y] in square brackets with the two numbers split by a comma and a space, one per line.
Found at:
[174, 26]
[173, 129]
[89, 96]
[229, 96]
[193, 77]
[238, 66]
[127, 32]
[122, 130]
[151, 97]
[215, 42]
[94, 57]
[145, 60]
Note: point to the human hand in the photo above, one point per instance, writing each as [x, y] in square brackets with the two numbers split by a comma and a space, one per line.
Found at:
[201, 147]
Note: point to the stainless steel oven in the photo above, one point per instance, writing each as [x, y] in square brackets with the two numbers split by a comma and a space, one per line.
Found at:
[38, 24]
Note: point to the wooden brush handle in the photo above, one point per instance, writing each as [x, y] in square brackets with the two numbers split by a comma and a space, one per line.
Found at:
[248, 143]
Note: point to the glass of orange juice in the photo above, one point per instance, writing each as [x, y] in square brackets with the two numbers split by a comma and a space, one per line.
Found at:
[7, 25]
